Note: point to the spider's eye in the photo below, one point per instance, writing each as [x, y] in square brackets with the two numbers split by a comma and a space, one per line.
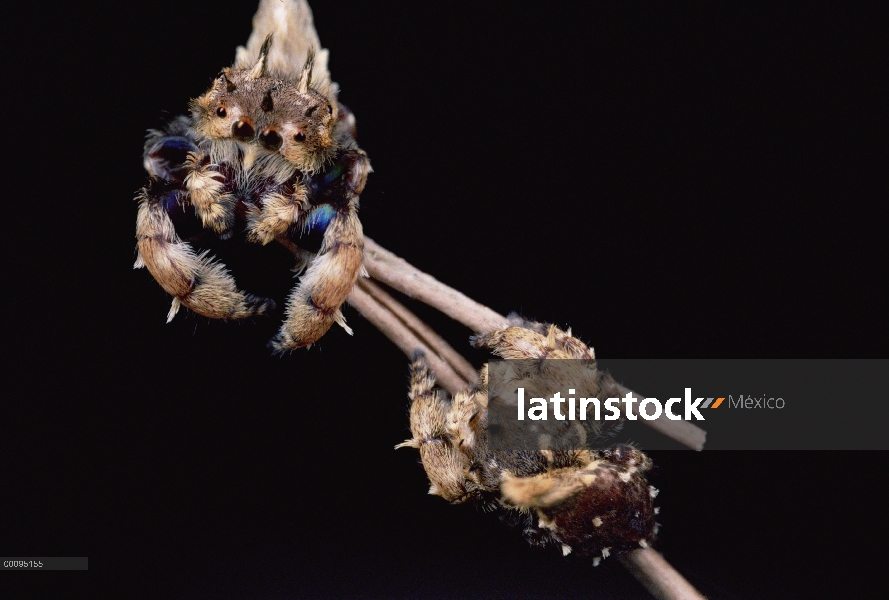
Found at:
[299, 137]
[329, 109]
[270, 139]
[220, 112]
[242, 130]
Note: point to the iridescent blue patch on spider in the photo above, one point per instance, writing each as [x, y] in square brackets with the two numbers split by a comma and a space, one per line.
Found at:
[319, 219]
[177, 145]
[333, 174]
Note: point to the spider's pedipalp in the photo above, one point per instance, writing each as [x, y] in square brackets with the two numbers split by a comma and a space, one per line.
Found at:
[280, 211]
[213, 204]
[195, 280]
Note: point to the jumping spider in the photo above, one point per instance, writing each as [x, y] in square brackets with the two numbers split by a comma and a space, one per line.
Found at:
[271, 156]
[590, 502]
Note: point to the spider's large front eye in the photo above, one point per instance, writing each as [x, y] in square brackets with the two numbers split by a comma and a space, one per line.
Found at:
[220, 112]
[270, 139]
[243, 130]
[299, 137]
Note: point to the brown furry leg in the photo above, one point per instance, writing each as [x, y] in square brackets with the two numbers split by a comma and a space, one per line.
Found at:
[279, 211]
[213, 204]
[446, 467]
[315, 303]
[530, 340]
[428, 410]
[196, 281]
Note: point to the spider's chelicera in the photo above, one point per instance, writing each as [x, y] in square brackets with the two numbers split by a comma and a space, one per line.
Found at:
[272, 157]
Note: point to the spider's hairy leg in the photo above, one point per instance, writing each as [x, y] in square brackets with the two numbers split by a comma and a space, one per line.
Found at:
[194, 280]
[428, 410]
[445, 465]
[530, 340]
[213, 204]
[314, 305]
[166, 150]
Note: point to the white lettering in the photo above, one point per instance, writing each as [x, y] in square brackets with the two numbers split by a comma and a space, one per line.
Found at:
[692, 408]
[657, 409]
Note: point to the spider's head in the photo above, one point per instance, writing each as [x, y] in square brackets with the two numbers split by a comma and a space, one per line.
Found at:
[297, 121]
[228, 109]
[224, 112]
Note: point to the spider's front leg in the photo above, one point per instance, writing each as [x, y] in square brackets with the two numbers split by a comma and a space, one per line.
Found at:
[207, 192]
[314, 305]
[175, 155]
[445, 462]
[167, 213]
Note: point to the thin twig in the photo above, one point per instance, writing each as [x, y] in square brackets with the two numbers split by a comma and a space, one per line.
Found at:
[437, 343]
[402, 336]
[658, 576]
[396, 272]
[409, 280]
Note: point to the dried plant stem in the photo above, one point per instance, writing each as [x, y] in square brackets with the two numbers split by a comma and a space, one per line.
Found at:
[396, 272]
[437, 343]
[409, 280]
[658, 576]
[409, 333]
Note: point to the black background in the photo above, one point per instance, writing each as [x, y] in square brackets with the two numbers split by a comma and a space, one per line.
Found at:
[684, 182]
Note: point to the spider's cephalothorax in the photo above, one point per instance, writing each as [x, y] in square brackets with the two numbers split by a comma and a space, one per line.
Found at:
[590, 502]
[290, 118]
[273, 157]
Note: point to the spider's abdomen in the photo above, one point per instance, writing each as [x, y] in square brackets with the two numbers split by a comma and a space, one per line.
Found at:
[613, 513]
